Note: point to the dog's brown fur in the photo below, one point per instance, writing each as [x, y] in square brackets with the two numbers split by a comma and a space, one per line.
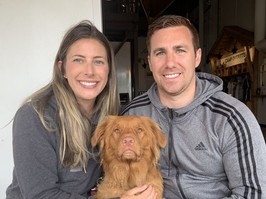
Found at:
[130, 150]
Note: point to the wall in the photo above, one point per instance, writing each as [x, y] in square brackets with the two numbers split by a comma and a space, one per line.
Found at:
[123, 69]
[30, 35]
[261, 101]
[145, 75]
[250, 15]
[260, 43]
[236, 12]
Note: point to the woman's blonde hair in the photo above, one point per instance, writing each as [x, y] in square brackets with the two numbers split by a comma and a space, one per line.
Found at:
[74, 126]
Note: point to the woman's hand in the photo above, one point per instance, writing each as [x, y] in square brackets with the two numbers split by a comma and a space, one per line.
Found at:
[143, 192]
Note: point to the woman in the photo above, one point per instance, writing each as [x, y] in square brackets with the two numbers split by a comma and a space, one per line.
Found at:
[53, 128]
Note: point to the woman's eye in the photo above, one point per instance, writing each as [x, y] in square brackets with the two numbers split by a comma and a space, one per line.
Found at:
[99, 62]
[78, 60]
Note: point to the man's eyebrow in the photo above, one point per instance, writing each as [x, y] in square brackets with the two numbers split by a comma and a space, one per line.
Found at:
[179, 46]
[174, 47]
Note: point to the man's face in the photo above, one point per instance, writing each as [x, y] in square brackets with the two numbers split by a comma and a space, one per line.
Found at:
[173, 60]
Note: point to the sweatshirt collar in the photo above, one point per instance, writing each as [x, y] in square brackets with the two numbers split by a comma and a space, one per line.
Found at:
[207, 85]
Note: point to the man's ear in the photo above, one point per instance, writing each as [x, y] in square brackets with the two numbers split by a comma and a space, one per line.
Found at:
[198, 57]
[149, 62]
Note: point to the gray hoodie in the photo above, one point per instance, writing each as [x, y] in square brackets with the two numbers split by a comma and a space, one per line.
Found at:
[37, 169]
[215, 145]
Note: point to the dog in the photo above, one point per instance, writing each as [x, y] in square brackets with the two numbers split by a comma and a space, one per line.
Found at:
[129, 149]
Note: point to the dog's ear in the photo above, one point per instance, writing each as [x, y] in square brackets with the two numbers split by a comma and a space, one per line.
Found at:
[99, 133]
[160, 138]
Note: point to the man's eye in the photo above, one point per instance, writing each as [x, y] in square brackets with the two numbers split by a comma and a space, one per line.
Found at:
[180, 50]
[159, 53]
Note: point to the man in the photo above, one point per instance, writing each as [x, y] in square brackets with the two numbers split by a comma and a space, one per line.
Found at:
[215, 145]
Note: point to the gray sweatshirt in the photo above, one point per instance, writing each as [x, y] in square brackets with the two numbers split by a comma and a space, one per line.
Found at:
[215, 145]
[37, 169]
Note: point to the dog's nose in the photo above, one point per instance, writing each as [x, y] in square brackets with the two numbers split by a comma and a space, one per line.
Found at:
[128, 140]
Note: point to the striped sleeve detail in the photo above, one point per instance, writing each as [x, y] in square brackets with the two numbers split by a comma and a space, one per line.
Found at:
[139, 101]
[244, 144]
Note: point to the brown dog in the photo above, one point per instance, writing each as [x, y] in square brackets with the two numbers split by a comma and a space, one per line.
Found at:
[130, 150]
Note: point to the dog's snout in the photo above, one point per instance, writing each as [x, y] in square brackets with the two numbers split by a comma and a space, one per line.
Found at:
[128, 140]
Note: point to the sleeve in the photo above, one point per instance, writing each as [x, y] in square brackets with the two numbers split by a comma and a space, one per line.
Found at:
[244, 156]
[35, 158]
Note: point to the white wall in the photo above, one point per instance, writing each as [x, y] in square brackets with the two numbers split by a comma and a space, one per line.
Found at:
[31, 31]
[123, 68]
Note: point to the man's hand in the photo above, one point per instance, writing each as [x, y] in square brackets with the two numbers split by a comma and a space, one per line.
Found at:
[143, 192]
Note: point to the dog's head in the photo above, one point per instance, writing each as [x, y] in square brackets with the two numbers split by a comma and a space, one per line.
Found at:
[129, 138]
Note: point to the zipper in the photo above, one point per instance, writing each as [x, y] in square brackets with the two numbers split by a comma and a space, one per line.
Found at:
[170, 146]
[170, 151]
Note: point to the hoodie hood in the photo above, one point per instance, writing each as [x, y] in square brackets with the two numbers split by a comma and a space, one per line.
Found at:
[206, 85]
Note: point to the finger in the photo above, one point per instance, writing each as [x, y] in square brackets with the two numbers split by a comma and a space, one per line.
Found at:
[148, 193]
[137, 190]
[153, 194]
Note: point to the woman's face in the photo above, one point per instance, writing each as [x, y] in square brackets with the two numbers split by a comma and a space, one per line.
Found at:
[86, 70]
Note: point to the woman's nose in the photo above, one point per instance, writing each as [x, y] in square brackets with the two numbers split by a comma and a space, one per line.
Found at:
[89, 70]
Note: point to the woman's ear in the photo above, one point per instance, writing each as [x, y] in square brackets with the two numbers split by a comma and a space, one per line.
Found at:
[60, 65]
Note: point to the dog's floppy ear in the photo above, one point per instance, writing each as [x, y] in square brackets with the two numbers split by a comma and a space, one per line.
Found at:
[160, 138]
[99, 133]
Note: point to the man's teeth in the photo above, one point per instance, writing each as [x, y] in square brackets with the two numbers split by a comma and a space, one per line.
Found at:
[171, 75]
[88, 83]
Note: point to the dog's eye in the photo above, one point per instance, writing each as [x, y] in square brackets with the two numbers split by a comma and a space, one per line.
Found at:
[139, 130]
[117, 130]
